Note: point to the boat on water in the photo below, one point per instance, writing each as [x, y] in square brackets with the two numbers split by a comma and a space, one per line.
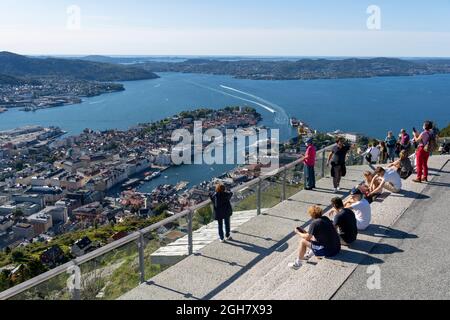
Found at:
[152, 176]
[131, 183]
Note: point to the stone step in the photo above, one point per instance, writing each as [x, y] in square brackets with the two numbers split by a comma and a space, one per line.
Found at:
[218, 265]
[254, 266]
[321, 278]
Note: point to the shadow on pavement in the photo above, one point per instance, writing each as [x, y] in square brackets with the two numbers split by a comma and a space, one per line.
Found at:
[380, 231]
[356, 258]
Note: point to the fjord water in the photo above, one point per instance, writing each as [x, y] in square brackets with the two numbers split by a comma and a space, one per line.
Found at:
[370, 106]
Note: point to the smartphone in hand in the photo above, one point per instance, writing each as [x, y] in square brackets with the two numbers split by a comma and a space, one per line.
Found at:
[301, 230]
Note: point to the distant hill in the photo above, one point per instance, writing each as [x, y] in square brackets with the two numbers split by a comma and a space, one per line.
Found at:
[17, 66]
[305, 68]
[8, 80]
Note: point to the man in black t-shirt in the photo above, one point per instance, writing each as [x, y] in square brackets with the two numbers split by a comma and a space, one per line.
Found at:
[345, 222]
[322, 238]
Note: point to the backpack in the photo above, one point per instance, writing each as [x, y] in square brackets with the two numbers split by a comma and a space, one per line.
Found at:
[432, 144]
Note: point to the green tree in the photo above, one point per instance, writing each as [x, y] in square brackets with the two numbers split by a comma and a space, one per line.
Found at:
[18, 214]
[17, 256]
[445, 132]
[19, 165]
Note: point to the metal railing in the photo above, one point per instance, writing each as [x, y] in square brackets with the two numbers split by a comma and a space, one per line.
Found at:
[138, 238]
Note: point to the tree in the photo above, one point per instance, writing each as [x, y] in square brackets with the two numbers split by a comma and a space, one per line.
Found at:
[17, 256]
[18, 214]
[161, 209]
[19, 165]
[445, 132]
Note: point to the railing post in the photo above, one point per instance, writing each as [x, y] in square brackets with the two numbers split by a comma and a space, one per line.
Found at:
[190, 233]
[141, 247]
[258, 197]
[323, 164]
[76, 294]
[283, 190]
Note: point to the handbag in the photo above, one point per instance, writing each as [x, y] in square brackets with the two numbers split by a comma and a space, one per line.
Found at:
[369, 156]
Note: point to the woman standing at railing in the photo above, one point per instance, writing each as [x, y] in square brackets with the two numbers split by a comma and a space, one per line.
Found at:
[309, 161]
[223, 211]
[391, 144]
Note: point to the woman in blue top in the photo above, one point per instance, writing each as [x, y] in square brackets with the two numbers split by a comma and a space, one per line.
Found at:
[391, 144]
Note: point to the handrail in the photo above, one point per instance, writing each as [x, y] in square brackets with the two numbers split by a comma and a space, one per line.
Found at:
[29, 284]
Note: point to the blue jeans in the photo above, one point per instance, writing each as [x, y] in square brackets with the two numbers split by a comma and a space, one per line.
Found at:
[227, 228]
[391, 154]
[310, 177]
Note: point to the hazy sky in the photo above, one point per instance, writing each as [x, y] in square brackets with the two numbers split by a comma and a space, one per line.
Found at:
[226, 27]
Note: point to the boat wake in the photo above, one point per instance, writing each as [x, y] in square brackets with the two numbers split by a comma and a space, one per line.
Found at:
[96, 102]
[281, 116]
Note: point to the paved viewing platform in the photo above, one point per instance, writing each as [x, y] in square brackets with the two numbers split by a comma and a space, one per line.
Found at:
[408, 240]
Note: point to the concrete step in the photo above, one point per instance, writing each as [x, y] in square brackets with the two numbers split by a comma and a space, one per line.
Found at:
[254, 266]
[218, 266]
[321, 278]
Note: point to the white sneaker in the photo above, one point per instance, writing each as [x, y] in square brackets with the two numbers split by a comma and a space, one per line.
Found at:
[309, 255]
[296, 265]
[335, 190]
[338, 189]
[229, 239]
[222, 241]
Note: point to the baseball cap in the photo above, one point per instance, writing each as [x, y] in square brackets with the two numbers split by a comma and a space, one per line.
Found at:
[356, 192]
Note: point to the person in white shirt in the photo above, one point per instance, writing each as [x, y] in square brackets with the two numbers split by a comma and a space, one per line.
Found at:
[374, 153]
[361, 208]
[389, 179]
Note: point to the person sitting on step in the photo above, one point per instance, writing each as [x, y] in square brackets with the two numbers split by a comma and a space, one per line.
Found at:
[345, 222]
[370, 184]
[389, 179]
[361, 208]
[322, 240]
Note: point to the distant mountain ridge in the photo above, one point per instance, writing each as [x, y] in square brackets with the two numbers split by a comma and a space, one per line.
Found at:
[305, 69]
[17, 66]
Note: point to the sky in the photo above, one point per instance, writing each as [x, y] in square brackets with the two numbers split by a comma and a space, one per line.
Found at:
[395, 28]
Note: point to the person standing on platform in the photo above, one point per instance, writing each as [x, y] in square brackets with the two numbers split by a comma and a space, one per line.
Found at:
[309, 160]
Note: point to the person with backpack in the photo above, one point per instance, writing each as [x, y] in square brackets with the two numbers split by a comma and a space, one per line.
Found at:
[403, 165]
[223, 211]
[372, 153]
[427, 143]
[391, 144]
[384, 154]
